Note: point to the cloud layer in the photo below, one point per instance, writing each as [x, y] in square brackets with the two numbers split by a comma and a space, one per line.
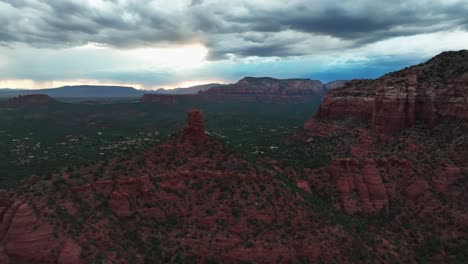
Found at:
[230, 30]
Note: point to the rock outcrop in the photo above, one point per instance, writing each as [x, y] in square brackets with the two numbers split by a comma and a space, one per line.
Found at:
[29, 99]
[434, 90]
[195, 129]
[356, 99]
[24, 238]
[362, 176]
[371, 185]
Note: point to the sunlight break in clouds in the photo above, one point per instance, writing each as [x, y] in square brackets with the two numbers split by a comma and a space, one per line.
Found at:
[163, 43]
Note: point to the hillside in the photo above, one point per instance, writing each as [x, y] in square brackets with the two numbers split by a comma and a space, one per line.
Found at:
[429, 92]
[398, 154]
[187, 198]
[378, 175]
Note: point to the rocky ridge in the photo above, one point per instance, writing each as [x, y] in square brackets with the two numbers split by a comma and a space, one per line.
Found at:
[426, 93]
[403, 152]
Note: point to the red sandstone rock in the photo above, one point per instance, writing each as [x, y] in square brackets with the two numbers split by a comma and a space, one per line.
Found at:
[445, 177]
[195, 130]
[204, 200]
[355, 99]
[24, 237]
[366, 145]
[28, 239]
[303, 185]
[338, 107]
[426, 92]
[362, 176]
[416, 188]
[321, 129]
[70, 253]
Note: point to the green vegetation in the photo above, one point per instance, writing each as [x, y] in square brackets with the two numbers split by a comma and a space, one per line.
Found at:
[40, 140]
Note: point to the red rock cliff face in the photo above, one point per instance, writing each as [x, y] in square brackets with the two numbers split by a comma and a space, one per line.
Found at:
[426, 92]
[357, 101]
[195, 130]
[372, 186]
[360, 185]
[24, 238]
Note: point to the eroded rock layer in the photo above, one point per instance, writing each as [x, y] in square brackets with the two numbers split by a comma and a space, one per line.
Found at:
[427, 92]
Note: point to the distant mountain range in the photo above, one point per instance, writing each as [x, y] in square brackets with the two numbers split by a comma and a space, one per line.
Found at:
[98, 91]
[246, 85]
[84, 91]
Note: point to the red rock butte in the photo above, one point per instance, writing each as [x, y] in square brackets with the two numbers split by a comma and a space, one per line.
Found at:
[195, 129]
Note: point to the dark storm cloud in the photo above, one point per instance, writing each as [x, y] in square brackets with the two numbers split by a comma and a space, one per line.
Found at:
[239, 28]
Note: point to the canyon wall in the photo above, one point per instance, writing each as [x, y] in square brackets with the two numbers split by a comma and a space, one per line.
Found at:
[428, 92]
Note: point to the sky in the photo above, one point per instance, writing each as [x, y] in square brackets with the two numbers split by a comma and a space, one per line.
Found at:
[149, 44]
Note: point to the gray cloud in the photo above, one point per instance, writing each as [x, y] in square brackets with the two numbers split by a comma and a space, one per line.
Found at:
[235, 28]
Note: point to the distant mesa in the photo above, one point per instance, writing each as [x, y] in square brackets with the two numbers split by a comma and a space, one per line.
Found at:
[195, 129]
[428, 92]
[30, 99]
[269, 89]
[263, 89]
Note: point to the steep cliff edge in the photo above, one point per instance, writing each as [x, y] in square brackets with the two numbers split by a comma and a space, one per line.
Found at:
[398, 151]
[428, 92]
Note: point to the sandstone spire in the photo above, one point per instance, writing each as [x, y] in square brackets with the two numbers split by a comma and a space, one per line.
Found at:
[195, 129]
